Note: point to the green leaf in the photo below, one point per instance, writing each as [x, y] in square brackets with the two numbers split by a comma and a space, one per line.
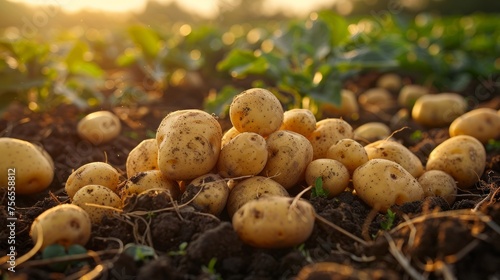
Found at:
[317, 190]
[337, 26]
[146, 39]
[139, 252]
[240, 63]
[389, 220]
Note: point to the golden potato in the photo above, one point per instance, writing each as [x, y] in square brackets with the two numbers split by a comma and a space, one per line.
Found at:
[189, 143]
[348, 152]
[462, 156]
[229, 135]
[348, 105]
[274, 222]
[210, 193]
[438, 183]
[146, 180]
[99, 127]
[437, 110]
[143, 157]
[301, 121]
[93, 173]
[390, 81]
[99, 195]
[289, 155]
[328, 132]
[409, 94]
[64, 224]
[250, 189]
[27, 168]
[256, 110]
[482, 124]
[372, 131]
[376, 98]
[334, 175]
[245, 155]
[382, 183]
[394, 151]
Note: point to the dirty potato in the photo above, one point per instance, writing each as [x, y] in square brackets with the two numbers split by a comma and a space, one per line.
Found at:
[256, 110]
[189, 143]
[437, 110]
[143, 157]
[245, 155]
[207, 193]
[93, 173]
[348, 152]
[147, 180]
[438, 183]
[328, 132]
[301, 121]
[334, 175]
[99, 127]
[96, 194]
[482, 124]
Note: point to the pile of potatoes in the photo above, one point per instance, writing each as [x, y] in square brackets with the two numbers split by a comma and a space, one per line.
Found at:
[249, 170]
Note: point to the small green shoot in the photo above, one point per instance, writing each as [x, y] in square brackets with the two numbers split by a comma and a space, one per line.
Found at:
[181, 251]
[304, 252]
[389, 220]
[139, 252]
[210, 269]
[318, 190]
[417, 135]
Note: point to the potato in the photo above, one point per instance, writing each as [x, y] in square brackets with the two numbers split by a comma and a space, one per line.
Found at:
[213, 193]
[372, 131]
[189, 143]
[274, 222]
[96, 194]
[437, 110]
[99, 127]
[409, 94]
[289, 155]
[376, 97]
[348, 105]
[390, 81]
[64, 224]
[245, 155]
[26, 168]
[438, 183]
[482, 124]
[93, 173]
[256, 110]
[394, 151]
[143, 157]
[462, 156]
[348, 152]
[301, 121]
[382, 183]
[328, 132]
[334, 174]
[250, 189]
[229, 135]
[146, 180]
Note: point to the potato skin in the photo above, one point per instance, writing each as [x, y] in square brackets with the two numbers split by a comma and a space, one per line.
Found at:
[93, 173]
[143, 157]
[382, 183]
[34, 168]
[245, 155]
[271, 222]
[146, 180]
[188, 139]
[99, 127]
[64, 224]
[328, 132]
[409, 94]
[348, 152]
[301, 121]
[256, 110]
[250, 189]
[213, 193]
[289, 155]
[376, 97]
[438, 110]
[391, 150]
[334, 174]
[228, 136]
[96, 194]
[462, 156]
[482, 124]
[372, 131]
[438, 183]
[349, 105]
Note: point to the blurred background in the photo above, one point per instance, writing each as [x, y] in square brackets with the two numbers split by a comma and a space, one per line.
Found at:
[90, 53]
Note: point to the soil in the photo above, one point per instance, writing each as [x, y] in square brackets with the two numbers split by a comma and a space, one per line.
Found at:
[428, 239]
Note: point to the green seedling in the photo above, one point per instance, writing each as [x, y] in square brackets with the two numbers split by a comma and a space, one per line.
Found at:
[389, 220]
[318, 190]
